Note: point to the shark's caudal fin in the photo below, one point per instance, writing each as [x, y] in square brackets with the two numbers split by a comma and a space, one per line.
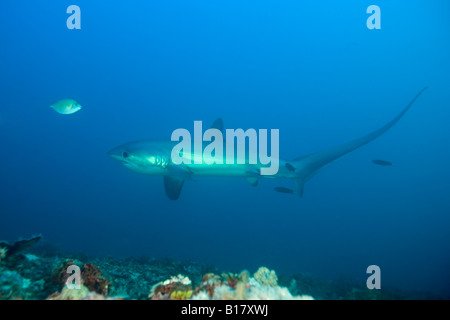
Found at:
[306, 167]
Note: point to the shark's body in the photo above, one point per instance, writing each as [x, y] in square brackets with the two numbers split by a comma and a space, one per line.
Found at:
[153, 157]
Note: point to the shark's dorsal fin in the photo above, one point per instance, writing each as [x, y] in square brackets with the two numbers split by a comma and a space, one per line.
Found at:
[218, 124]
[173, 186]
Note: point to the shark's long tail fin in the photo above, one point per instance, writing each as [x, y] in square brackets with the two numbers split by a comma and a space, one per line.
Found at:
[307, 166]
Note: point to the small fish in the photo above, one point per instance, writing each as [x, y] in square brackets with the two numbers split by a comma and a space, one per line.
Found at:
[66, 106]
[284, 190]
[382, 163]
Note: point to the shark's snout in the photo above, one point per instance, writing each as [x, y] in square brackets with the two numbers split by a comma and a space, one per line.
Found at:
[117, 154]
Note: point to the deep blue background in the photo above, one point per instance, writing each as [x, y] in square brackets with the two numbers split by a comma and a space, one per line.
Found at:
[144, 68]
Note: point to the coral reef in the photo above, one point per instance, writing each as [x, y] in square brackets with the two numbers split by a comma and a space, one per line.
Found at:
[15, 286]
[262, 286]
[209, 283]
[175, 288]
[93, 279]
[3, 252]
[60, 274]
[11, 283]
[83, 293]
[70, 294]
[33, 275]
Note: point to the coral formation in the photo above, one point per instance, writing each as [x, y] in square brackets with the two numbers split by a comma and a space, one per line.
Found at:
[175, 288]
[181, 295]
[91, 276]
[15, 286]
[209, 283]
[93, 279]
[3, 252]
[23, 244]
[7, 250]
[11, 283]
[83, 293]
[262, 286]
[266, 277]
[233, 279]
[70, 294]
[60, 274]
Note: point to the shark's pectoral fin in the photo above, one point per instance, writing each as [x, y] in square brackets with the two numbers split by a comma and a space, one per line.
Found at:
[172, 186]
[253, 181]
[180, 171]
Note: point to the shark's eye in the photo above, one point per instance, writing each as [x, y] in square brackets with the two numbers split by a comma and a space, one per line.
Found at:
[125, 154]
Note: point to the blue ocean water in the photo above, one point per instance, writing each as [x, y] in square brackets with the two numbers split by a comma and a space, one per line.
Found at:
[311, 69]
